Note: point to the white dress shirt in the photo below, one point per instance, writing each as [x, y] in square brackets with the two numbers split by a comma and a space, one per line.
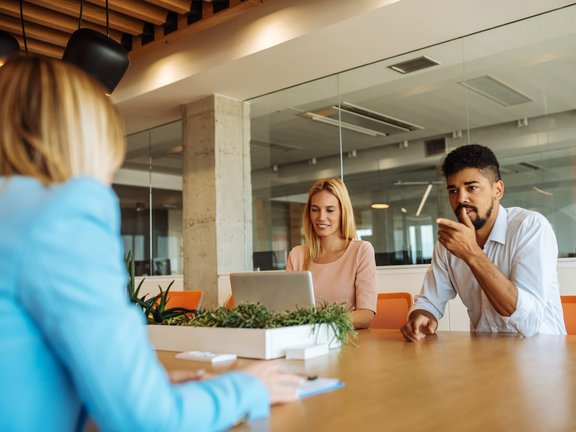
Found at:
[523, 246]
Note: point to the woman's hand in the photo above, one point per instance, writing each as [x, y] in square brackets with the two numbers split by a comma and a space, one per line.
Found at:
[282, 386]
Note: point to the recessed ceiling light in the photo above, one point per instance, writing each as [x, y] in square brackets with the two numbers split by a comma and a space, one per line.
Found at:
[380, 206]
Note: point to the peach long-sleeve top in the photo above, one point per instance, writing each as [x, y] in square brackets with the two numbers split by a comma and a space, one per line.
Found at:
[351, 279]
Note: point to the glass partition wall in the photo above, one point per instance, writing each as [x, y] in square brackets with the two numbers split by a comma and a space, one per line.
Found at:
[384, 128]
[149, 186]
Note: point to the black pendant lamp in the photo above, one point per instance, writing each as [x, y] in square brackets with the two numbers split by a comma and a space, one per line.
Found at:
[100, 56]
[8, 46]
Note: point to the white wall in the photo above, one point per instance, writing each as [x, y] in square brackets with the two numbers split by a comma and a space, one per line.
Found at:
[388, 279]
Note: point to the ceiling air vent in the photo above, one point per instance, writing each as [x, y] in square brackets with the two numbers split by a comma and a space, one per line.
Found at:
[435, 146]
[495, 90]
[414, 65]
[363, 120]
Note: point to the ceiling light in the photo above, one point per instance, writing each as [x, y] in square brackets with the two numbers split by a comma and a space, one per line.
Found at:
[98, 55]
[380, 206]
[8, 46]
[347, 126]
[495, 90]
[424, 198]
[537, 189]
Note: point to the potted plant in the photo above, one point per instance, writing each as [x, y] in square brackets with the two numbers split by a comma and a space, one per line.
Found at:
[248, 330]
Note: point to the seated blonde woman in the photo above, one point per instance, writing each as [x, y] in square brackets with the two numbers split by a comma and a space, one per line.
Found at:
[343, 268]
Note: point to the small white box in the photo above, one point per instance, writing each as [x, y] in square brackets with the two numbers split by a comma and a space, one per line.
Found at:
[205, 356]
[304, 352]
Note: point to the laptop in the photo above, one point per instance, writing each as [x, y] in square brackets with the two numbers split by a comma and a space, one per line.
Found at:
[279, 291]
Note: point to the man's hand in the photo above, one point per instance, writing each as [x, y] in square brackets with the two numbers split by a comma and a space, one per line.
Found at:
[458, 237]
[420, 324]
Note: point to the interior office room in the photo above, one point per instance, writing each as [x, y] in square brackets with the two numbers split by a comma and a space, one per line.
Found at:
[495, 74]
[234, 108]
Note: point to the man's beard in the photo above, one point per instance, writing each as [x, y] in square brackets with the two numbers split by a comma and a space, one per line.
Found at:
[479, 222]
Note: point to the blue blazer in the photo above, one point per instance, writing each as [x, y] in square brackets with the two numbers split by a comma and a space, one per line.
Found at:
[71, 342]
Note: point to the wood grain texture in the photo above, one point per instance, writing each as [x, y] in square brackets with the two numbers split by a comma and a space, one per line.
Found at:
[455, 381]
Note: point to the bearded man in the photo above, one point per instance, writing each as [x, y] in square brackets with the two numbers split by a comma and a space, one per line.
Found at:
[500, 261]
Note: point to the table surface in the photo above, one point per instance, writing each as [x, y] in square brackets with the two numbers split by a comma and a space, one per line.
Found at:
[453, 381]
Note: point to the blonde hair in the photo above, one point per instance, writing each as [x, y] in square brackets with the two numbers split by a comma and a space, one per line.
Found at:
[347, 225]
[56, 123]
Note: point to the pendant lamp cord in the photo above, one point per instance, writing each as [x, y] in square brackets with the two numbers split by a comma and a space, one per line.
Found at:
[23, 29]
[80, 17]
[107, 20]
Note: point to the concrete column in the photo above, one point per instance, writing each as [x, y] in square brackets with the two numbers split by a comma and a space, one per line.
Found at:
[217, 193]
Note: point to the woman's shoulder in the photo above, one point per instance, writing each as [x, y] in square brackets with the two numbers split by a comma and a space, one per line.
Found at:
[362, 246]
[40, 208]
[298, 251]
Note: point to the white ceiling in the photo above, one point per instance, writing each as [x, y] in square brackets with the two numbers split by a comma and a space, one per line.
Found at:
[306, 42]
[287, 42]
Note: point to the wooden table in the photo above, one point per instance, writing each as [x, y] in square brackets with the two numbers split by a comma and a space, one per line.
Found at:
[455, 381]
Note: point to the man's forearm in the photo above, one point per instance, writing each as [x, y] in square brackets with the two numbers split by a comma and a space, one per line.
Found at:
[501, 292]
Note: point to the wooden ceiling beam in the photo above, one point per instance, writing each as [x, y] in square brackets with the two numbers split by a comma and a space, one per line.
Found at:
[34, 31]
[50, 19]
[41, 47]
[135, 8]
[179, 6]
[95, 14]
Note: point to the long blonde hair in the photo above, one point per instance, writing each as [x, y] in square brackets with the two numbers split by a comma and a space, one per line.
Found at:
[347, 225]
[56, 123]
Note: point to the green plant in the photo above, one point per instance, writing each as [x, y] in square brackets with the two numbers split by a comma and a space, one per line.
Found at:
[155, 308]
[336, 316]
[133, 291]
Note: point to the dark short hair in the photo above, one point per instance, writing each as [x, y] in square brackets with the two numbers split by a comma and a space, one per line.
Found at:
[471, 156]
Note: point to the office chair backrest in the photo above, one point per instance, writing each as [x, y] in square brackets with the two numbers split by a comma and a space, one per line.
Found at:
[191, 299]
[569, 309]
[392, 310]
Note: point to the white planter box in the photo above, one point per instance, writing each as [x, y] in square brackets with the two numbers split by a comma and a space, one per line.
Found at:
[252, 343]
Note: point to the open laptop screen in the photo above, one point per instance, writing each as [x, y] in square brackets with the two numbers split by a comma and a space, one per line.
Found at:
[279, 291]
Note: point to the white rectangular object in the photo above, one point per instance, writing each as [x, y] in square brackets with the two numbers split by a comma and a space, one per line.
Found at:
[205, 356]
[263, 344]
[304, 352]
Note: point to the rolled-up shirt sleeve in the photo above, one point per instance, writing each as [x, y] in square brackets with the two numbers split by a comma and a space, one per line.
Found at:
[437, 288]
[533, 272]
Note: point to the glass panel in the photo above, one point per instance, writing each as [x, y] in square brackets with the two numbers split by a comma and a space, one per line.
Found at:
[149, 186]
[510, 88]
[293, 143]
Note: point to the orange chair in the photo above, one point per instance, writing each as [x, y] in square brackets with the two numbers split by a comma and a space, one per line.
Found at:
[569, 309]
[191, 299]
[230, 302]
[392, 310]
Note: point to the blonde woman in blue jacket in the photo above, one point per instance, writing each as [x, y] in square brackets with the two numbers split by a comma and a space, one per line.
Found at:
[71, 344]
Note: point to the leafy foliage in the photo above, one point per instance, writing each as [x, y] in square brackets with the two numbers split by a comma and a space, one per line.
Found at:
[156, 311]
[154, 308]
[257, 316]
